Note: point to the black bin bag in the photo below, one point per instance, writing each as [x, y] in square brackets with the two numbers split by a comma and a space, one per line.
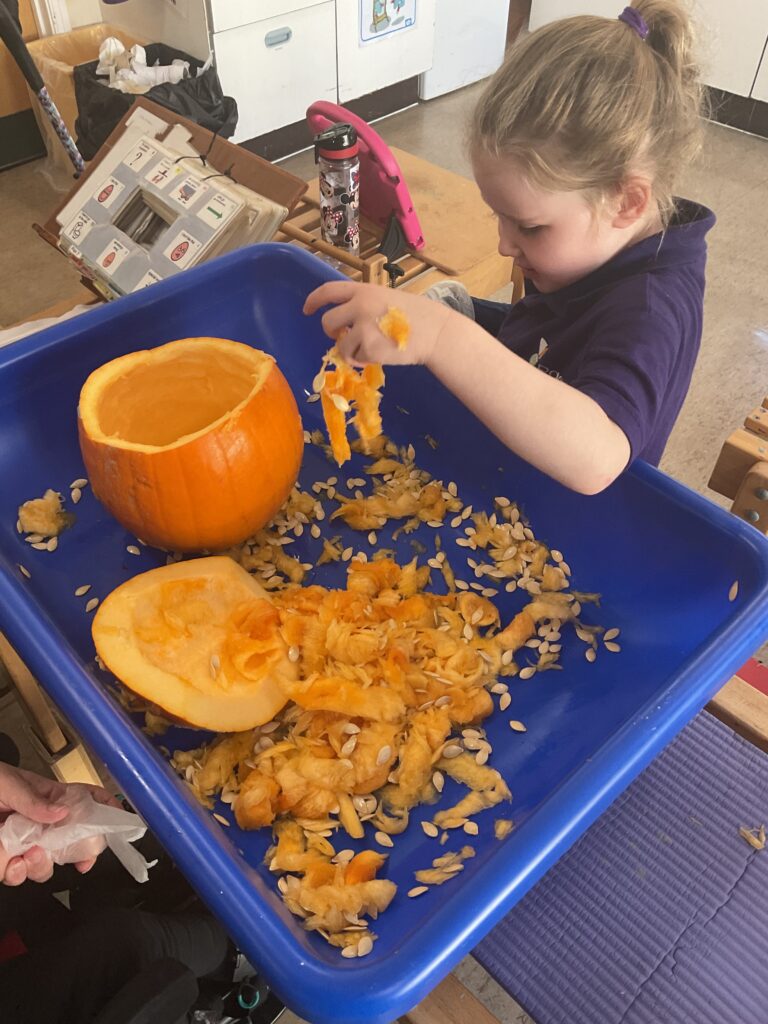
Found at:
[199, 99]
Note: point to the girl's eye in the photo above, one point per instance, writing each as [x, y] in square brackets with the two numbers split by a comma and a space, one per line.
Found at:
[530, 229]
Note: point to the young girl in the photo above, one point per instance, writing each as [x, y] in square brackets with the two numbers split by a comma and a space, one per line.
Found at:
[577, 143]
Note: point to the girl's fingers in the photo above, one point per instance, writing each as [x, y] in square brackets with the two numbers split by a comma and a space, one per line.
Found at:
[329, 294]
[336, 320]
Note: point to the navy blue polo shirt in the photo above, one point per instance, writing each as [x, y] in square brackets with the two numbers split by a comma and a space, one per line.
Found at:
[627, 334]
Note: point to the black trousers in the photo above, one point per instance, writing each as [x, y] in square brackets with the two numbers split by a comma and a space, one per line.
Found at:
[79, 959]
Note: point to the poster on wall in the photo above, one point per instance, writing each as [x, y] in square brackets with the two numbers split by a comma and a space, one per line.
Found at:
[379, 18]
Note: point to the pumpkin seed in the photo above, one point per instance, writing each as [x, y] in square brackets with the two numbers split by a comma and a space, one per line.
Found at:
[504, 701]
[24, 571]
[269, 727]
[507, 657]
[52, 544]
[503, 502]
[313, 398]
[383, 839]
[499, 688]
[79, 483]
[482, 756]
[516, 726]
[453, 490]
[418, 890]
[733, 593]
[349, 746]
[351, 728]
[349, 952]
[42, 546]
[527, 672]
[293, 654]
[471, 828]
[346, 554]
[489, 592]
[75, 494]
[590, 654]
[33, 538]
[365, 945]
[430, 829]
[511, 586]
[614, 648]
[455, 522]
[215, 665]
[93, 603]
[468, 632]
[438, 781]
[383, 755]
[223, 821]
[372, 538]
[452, 750]
[133, 550]
[18, 526]
[611, 634]
[442, 701]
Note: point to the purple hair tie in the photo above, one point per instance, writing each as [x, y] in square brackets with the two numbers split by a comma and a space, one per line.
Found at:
[635, 20]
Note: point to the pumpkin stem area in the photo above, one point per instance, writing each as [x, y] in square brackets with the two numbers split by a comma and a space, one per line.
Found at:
[183, 389]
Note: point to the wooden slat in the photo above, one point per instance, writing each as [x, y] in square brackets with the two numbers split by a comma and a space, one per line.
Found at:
[745, 709]
[739, 454]
[450, 1003]
[32, 696]
[751, 502]
[757, 421]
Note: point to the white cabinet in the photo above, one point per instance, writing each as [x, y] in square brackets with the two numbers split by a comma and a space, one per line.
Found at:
[732, 35]
[366, 67]
[276, 67]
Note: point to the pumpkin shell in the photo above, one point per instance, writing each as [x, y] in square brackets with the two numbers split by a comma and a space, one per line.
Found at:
[193, 445]
[199, 640]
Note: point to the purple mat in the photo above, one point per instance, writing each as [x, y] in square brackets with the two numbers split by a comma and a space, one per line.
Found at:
[659, 914]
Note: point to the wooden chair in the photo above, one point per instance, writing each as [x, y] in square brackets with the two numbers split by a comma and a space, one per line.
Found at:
[741, 471]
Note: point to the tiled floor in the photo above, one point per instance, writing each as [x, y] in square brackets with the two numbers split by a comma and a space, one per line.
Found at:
[732, 373]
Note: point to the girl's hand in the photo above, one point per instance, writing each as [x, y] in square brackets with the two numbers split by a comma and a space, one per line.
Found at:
[353, 322]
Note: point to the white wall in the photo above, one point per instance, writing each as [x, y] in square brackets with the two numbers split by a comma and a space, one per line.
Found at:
[182, 24]
[83, 12]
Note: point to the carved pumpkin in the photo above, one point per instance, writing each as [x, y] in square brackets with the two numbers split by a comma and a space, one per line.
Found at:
[193, 445]
[199, 639]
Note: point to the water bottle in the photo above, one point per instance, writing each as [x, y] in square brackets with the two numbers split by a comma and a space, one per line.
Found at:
[336, 154]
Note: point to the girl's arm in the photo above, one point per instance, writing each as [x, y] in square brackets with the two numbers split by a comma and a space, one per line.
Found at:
[553, 426]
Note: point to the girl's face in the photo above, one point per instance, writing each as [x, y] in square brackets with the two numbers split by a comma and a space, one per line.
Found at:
[555, 238]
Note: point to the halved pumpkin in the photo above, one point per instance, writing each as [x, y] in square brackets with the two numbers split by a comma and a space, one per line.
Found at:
[201, 640]
[193, 445]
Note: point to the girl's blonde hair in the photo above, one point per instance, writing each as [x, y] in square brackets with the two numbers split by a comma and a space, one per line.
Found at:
[584, 102]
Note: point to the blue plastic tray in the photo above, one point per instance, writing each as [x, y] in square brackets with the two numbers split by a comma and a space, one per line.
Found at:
[663, 558]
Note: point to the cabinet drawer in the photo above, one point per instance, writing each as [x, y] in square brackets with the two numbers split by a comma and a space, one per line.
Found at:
[226, 14]
[275, 68]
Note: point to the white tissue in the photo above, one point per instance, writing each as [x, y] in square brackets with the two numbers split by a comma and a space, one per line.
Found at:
[128, 71]
[87, 829]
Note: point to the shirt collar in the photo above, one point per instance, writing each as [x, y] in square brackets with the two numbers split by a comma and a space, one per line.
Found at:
[682, 242]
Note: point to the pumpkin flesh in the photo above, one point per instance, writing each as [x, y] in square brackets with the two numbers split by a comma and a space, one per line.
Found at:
[199, 639]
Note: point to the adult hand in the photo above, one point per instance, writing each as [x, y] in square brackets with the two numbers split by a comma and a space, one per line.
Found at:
[354, 320]
[37, 798]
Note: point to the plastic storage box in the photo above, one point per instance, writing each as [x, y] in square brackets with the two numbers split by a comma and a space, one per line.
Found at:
[664, 559]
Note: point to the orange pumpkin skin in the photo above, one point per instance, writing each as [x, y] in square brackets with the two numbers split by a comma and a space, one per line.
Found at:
[212, 487]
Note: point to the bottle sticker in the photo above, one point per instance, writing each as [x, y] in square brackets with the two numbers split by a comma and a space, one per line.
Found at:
[183, 249]
[108, 191]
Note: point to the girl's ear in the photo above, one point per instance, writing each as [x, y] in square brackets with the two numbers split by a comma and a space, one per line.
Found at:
[634, 199]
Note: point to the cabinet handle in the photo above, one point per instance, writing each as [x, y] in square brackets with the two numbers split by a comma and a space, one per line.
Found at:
[278, 36]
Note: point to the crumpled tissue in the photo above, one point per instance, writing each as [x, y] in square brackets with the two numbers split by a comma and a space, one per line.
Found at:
[128, 71]
[88, 828]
